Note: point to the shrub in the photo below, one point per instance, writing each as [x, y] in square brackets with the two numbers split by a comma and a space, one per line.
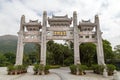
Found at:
[82, 69]
[10, 68]
[95, 67]
[46, 69]
[110, 68]
[18, 69]
[38, 69]
[68, 61]
[73, 69]
[98, 68]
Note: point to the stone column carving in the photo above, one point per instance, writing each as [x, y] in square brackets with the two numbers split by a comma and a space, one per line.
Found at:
[99, 45]
[76, 42]
[22, 22]
[20, 45]
[43, 41]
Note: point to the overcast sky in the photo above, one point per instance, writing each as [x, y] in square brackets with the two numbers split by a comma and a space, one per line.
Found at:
[108, 11]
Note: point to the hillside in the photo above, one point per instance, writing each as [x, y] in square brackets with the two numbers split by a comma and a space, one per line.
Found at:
[8, 43]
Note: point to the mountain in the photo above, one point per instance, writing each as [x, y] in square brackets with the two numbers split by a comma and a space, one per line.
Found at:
[8, 37]
[8, 43]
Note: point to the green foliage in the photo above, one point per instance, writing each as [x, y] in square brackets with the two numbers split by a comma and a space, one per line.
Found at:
[58, 54]
[38, 69]
[46, 69]
[98, 68]
[82, 68]
[117, 52]
[3, 60]
[116, 60]
[117, 49]
[18, 69]
[107, 50]
[73, 69]
[41, 67]
[50, 58]
[8, 43]
[26, 60]
[33, 57]
[10, 57]
[88, 53]
[110, 68]
[10, 68]
[68, 61]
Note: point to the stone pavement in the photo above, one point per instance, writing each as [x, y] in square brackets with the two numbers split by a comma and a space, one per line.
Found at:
[88, 76]
[26, 76]
[55, 74]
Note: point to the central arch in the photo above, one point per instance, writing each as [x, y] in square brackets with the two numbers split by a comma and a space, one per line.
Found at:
[89, 56]
[59, 53]
[31, 53]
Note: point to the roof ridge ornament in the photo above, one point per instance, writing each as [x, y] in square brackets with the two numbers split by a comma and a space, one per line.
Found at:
[65, 16]
[86, 20]
[33, 21]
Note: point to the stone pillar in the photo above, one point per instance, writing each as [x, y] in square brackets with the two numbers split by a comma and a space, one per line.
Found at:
[43, 41]
[76, 42]
[20, 45]
[99, 45]
[22, 22]
[20, 48]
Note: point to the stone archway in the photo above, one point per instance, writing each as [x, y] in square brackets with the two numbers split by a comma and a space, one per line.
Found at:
[60, 28]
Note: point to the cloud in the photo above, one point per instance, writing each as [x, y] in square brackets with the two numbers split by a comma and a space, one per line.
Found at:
[108, 11]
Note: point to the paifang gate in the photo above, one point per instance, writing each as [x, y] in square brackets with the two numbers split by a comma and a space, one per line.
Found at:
[59, 29]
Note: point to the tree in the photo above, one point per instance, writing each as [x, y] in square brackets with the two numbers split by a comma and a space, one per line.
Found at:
[88, 53]
[117, 52]
[10, 57]
[33, 57]
[50, 59]
[59, 54]
[108, 53]
[26, 59]
[116, 60]
[38, 51]
[3, 60]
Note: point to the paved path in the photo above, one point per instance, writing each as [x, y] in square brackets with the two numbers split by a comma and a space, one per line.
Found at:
[27, 76]
[68, 76]
[55, 74]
